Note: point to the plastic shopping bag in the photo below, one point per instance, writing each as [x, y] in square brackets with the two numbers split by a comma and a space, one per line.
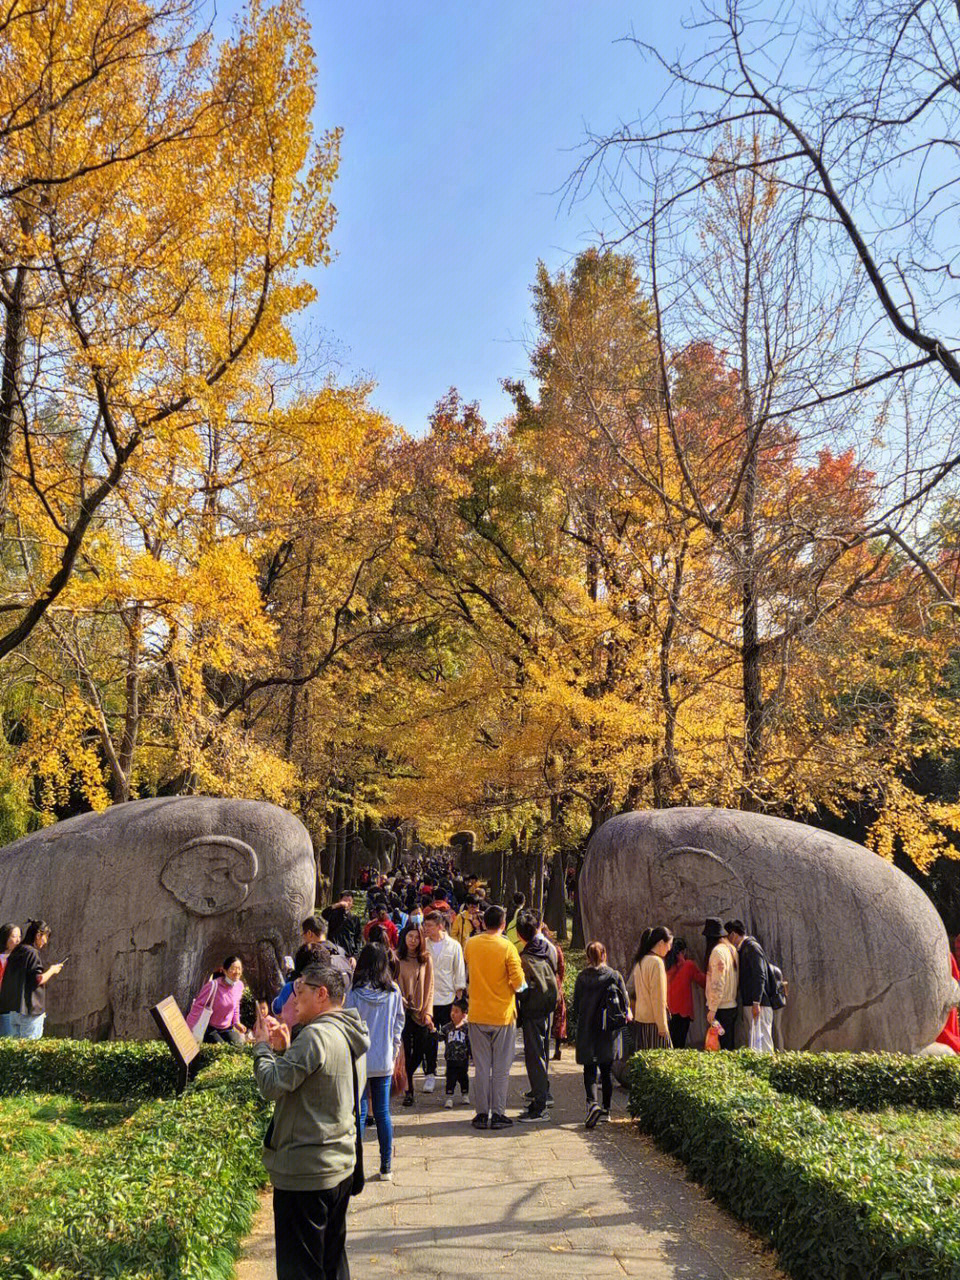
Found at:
[756, 1035]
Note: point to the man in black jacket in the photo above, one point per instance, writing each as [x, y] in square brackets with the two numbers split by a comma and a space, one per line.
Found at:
[535, 1006]
[343, 927]
[754, 987]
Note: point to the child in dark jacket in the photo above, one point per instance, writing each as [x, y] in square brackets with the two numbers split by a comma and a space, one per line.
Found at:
[457, 1052]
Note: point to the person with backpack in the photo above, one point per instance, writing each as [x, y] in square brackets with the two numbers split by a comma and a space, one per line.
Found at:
[649, 978]
[755, 986]
[601, 1010]
[536, 1004]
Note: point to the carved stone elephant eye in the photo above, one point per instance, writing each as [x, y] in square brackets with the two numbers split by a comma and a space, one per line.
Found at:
[211, 874]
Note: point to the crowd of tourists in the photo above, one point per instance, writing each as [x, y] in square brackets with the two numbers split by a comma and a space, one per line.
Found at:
[367, 1007]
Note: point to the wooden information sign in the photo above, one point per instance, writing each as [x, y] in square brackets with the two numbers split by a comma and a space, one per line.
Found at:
[173, 1027]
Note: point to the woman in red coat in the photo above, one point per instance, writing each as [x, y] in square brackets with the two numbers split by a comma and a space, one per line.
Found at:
[682, 973]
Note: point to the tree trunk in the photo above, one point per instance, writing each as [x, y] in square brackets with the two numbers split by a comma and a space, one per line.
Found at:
[340, 880]
[577, 940]
[499, 879]
[301, 639]
[11, 408]
[353, 852]
[555, 907]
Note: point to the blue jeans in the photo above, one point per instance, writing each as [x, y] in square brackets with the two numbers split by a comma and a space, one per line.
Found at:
[5, 1026]
[379, 1087]
[27, 1026]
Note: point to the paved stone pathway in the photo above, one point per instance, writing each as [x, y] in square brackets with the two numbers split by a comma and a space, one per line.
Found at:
[549, 1201]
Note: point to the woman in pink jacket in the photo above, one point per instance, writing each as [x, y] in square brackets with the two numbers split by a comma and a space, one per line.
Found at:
[225, 990]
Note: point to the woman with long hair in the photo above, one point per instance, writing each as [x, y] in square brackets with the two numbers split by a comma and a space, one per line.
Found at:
[23, 988]
[415, 980]
[649, 978]
[222, 993]
[600, 1009]
[377, 999]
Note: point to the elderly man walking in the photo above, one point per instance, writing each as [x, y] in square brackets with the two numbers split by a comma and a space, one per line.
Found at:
[494, 976]
[312, 1146]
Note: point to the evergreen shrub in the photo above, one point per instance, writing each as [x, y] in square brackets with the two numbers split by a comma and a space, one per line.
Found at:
[835, 1201]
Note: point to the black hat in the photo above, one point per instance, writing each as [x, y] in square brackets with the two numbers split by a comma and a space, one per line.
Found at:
[713, 928]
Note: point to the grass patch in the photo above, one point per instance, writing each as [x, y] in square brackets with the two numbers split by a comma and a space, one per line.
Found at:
[56, 1138]
[842, 1194]
[160, 1189]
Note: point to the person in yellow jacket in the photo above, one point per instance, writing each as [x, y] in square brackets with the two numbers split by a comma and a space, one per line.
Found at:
[494, 975]
[467, 922]
[510, 928]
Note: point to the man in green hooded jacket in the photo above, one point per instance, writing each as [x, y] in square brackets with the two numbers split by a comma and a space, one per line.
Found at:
[310, 1148]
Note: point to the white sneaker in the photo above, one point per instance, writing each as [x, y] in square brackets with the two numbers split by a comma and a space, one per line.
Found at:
[465, 1100]
[449, 1102]
[387, 1176]
[429, 1084]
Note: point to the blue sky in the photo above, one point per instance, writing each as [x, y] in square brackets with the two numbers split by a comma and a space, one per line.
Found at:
[461, 124]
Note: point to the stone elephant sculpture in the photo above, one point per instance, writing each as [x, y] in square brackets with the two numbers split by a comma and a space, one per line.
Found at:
[382, 845]
[465, 842]
[863, 948]
[149, 896]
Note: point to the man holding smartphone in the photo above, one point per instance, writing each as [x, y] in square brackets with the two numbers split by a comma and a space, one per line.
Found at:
[316, 1079]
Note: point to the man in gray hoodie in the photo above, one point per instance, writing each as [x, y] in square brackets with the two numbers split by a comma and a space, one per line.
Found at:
[310, 1148]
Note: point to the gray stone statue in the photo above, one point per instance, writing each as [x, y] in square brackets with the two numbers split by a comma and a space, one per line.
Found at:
[382, 845]
[148, 897]
[862, 947]
[465, 842]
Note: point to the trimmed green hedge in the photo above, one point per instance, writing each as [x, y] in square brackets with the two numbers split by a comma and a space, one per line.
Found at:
[109, 1071]
[170, 1197]
[835, 1201]
[862, 1081]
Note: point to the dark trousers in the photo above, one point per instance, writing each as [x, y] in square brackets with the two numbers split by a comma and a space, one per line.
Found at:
[458, 1073]
[536, 1055]
[311, 1233]
[441, 1016]
[415, 1039]
[679, 1030]
[728, 1020]
[606, 1083]
[224, 1035]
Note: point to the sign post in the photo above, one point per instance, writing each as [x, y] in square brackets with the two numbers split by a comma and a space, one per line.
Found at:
[173, 1027]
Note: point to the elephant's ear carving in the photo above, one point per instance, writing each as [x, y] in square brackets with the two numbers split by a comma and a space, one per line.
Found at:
[695, 882]
[211, 874]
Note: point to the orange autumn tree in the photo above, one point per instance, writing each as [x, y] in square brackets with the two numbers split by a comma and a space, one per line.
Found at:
[589, 604]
